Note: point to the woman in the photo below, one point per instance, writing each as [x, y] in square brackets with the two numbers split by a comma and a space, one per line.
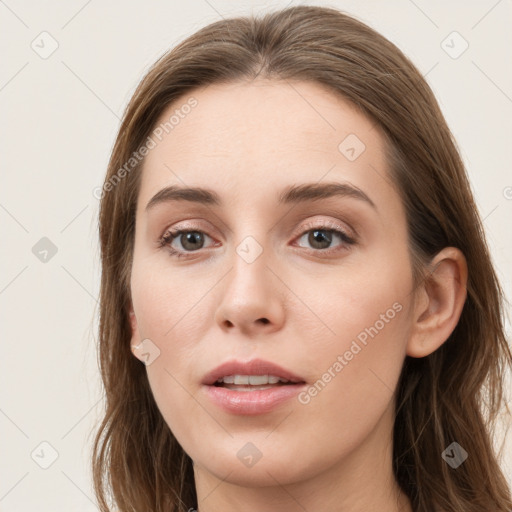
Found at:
[298, 307]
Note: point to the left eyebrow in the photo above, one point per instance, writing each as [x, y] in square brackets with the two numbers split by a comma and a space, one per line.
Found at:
[293, 194]
[315, 191]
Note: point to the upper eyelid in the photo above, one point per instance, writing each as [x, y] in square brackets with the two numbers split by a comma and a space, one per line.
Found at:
[324, 224]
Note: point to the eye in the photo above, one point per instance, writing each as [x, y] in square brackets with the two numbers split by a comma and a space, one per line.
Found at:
[185, 242]
[190, 241]
[321, 237]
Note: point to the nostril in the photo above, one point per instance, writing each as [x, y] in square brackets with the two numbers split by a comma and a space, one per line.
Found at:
[264, 320]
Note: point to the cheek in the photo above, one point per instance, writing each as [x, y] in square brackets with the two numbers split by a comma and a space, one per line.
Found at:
[168, 304]
[170, 312]
[359, 371]
[364, 305]
[356, 367]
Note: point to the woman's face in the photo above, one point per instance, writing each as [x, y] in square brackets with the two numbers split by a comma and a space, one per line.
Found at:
[300, 259]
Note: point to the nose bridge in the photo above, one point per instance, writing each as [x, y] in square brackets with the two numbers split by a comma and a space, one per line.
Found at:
[248, 280]
[251, 245]
[249, 299]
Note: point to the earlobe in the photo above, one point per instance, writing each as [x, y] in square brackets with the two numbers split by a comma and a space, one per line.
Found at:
[133, 320]
[440, 300]
[135, 342]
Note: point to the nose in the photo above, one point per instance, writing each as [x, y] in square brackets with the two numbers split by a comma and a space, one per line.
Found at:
[252, 299]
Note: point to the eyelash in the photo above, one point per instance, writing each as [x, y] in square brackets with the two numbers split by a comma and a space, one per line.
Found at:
[170, 235]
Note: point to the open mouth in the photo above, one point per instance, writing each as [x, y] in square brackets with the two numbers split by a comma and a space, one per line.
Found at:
[252, 382]
[252, 387]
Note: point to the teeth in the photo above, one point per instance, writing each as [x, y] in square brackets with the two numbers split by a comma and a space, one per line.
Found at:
[258, 380]
[253, 380]
[241, 379]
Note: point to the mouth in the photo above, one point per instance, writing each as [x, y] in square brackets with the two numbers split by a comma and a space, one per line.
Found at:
[251, 382]
[253, 387]
[250, 374]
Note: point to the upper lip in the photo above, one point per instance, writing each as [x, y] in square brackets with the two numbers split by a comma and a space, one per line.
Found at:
[253, 367]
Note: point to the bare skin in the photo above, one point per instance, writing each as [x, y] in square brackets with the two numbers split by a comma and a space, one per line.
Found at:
[248, 142]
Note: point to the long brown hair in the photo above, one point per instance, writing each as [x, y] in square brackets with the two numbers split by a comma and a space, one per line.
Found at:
[454, 394]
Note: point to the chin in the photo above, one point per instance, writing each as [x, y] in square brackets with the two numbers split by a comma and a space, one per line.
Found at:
[239, 462]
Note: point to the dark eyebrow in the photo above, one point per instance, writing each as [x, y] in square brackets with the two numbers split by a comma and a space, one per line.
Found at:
[315, 191]
[291, 195]
[192, 194]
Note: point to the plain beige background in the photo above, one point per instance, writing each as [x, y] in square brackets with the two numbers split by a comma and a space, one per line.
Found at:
[68, 70]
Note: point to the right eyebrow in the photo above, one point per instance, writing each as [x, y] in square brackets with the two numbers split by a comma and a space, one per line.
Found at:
[192, 194]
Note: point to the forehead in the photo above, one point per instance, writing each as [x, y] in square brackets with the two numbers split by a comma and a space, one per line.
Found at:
[252, 139]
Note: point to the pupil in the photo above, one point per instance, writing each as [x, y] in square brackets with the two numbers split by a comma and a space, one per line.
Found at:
[320, 237]
[192, 237]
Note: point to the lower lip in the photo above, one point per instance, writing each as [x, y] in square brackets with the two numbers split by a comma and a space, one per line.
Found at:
[252, 402]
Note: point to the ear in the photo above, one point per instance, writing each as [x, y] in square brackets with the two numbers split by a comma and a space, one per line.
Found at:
[135, 342]
[439, 302]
